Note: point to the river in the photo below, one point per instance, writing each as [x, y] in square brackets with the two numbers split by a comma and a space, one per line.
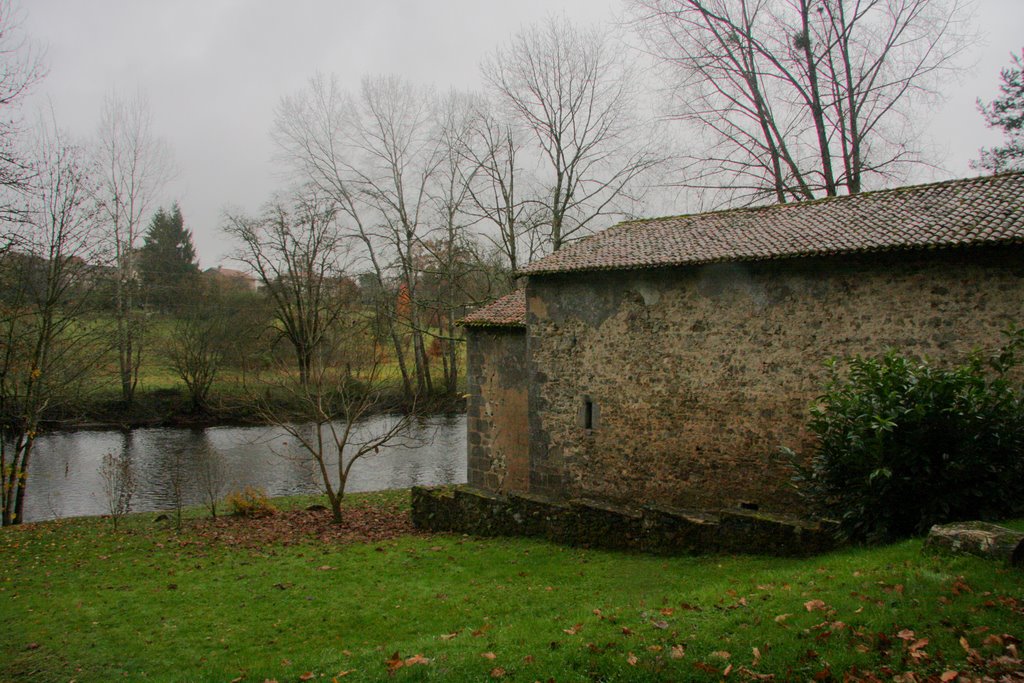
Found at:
[65, 481]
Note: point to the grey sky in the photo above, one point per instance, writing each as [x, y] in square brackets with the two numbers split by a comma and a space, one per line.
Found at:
[214, 71]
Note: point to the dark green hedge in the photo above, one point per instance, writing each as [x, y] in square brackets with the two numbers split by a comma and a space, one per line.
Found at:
[904, 444]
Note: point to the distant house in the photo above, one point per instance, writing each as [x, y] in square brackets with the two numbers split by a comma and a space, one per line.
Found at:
[664, 361]
[231, 278]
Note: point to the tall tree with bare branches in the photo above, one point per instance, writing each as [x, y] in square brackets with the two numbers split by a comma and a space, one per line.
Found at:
[298, 253]
[132, 166]
[45, 279]
[502, 191]
[21, 67]
[571, 89]
[795, 99]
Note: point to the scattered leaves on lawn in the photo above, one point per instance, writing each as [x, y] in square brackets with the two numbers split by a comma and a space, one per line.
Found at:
[362, 524]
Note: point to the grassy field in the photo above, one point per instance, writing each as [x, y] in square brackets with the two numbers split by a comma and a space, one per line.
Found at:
[240, 600]
[162, 397]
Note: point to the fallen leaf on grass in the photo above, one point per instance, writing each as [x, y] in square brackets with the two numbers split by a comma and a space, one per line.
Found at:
[627, 631]
[659, 624]
[528, 659]
[631, 659]
[757, 657]
[755, 676]
[448, 636]
[782, 617]
[993, 641]
[416, 659]
[573, 630]
[308, 676]
[721, 654]
[906, 634]
[812, 605]
[678, 652]
[727, 671]
[948, 676]
[394, 663]
[488, 655]
[497, 672]
[341, 674]
[654, 648]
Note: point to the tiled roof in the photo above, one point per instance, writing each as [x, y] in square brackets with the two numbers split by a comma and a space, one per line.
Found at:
[508, 311]
[972, 211]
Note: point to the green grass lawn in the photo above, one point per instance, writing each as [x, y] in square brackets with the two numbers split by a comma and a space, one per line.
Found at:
[81, 602]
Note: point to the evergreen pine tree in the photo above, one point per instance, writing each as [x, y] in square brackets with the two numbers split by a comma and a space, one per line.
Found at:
[1006, 112]
[167, 259]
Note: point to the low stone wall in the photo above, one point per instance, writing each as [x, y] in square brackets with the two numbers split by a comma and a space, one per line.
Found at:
[596, 524]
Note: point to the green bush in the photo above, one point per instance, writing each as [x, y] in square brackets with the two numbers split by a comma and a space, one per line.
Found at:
[904, 445]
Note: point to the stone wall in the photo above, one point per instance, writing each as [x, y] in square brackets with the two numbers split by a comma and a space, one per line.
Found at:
[596, 524]
[496, 411]
[695, 376]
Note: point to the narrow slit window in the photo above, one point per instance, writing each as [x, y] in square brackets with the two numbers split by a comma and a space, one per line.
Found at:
[588, 414]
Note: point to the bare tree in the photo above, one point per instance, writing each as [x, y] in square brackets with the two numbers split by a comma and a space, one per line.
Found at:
[573, 91]
[500, 189]
[298, 253]
[327, 412]
[386, 157]
[317, 131]
[132, 165]
[794, 99]
[211, 478]
[46, 277]
[21, 67]
[196, 350]
[119, 484]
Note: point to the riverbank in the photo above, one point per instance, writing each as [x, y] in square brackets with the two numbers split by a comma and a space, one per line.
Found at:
[237, 600]
[171, 407]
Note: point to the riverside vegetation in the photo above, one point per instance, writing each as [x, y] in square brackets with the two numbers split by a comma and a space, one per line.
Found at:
[292, 597]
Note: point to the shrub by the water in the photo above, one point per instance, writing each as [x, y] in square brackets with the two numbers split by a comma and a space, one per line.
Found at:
[251, 501]
[904, 444]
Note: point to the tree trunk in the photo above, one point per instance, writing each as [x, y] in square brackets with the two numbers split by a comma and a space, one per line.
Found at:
[816, 107]
[978, 538]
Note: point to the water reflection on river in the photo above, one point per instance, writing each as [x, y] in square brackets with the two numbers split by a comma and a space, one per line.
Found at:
[64, 479]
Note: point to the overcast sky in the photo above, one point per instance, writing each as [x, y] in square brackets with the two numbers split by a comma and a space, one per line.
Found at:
[214, 71]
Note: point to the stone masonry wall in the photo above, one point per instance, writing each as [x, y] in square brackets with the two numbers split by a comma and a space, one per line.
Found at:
[496, 411]
[695, 376]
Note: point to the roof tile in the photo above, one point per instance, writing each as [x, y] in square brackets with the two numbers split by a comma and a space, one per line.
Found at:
[968, 212]
[508, 311]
